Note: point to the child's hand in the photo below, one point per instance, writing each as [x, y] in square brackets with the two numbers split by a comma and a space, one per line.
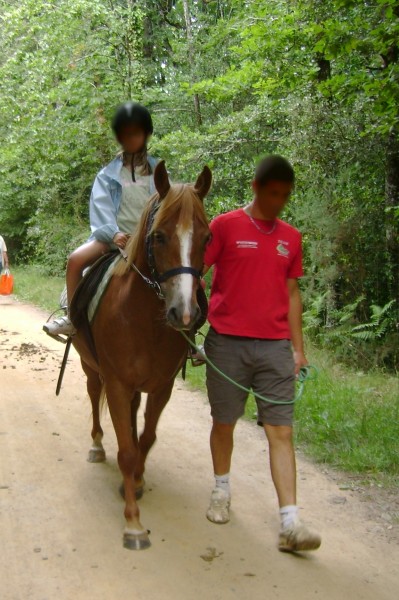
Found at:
[120, 239]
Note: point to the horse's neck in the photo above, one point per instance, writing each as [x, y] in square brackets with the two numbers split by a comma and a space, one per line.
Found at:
[141, 260]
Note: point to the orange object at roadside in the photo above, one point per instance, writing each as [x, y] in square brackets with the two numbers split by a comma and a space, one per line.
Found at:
[6, 283]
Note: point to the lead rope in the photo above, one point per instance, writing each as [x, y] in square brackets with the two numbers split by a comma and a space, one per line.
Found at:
[307, 373]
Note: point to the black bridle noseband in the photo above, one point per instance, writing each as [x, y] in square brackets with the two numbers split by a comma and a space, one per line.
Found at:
[158, 278]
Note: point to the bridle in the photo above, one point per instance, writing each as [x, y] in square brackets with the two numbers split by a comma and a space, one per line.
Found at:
[156, 277]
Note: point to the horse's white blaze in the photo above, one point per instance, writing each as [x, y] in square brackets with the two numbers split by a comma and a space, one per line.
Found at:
[184, 284]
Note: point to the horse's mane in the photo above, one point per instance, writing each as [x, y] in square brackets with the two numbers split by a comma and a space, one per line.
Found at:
[180, 200]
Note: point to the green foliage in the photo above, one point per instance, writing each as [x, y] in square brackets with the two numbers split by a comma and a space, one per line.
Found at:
[349, 420]
[66, 65]
[368, 344]
[381, 322]
[227, 82]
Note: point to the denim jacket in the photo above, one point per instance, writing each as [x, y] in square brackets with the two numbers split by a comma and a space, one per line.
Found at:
[106, 197]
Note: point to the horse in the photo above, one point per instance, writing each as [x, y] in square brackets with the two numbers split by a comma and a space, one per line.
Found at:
[151, 297]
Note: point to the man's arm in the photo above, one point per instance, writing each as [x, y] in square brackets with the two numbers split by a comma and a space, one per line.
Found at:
[295, 323]
[6, 263]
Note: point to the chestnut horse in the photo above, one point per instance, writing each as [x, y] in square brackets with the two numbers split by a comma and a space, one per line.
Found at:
[150, 298]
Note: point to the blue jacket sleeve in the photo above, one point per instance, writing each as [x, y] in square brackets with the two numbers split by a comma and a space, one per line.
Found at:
[102, 210]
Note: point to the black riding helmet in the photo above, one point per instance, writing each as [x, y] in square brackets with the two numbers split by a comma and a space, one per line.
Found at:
[132, 113]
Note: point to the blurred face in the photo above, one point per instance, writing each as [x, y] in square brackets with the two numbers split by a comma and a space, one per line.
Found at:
[132, 138]
[272, 196]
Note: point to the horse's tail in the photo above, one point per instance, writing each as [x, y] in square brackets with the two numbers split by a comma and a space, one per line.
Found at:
[103, 400]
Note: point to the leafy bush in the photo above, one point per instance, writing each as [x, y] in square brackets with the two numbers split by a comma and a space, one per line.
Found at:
[374, 343]
[52, 242]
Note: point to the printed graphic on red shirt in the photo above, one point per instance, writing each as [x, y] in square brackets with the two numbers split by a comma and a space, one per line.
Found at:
[249, 295]
[246, 244]
[282, 248]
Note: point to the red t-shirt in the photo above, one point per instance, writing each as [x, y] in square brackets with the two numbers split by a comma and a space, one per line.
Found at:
[249, 295]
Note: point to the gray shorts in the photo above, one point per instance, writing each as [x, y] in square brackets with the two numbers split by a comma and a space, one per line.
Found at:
[265, 366]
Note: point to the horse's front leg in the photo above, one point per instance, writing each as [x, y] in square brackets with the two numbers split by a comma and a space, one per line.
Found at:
[94, 389]
[155, 404]
[135, 405]
[139, 483]
[135, 537]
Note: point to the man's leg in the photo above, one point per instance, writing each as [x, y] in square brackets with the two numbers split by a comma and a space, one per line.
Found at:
[282, 462]
[233, 357]
[222, 447]
[294, 535]
[274, 379]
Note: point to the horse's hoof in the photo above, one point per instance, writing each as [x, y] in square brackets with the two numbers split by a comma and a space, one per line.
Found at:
[139, 491]
[96, 455]
[136, 541]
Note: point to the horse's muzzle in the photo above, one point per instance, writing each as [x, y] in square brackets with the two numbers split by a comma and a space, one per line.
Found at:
[180, 319]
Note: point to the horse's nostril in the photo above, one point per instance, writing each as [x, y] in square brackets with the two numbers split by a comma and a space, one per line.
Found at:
[172, 314]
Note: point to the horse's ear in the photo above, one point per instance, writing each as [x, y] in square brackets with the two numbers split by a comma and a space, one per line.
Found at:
[161, 179]
[203, 183]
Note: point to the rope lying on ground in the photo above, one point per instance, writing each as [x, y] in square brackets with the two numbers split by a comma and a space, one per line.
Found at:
[307, 373]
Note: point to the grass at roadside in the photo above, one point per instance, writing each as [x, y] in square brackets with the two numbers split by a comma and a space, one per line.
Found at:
[31, 285]
[351, 419]
[345, 418]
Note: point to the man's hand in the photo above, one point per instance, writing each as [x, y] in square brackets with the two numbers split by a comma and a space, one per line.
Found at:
[300, 361]
[120, 239]
[295, 321]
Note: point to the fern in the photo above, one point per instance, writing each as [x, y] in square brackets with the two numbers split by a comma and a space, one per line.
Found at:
[379, 323]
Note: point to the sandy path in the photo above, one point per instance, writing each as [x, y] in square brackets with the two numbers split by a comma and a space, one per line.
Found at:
[61, 517]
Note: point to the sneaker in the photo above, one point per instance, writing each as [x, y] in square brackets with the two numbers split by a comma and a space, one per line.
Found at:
[297, 537]
[61, 326]
[218, 511]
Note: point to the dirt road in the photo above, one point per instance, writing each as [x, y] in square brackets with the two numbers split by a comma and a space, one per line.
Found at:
[61, 517]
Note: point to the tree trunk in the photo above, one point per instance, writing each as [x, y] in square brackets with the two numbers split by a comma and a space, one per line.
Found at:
[324, 72]
[392, 201]
[191, 58]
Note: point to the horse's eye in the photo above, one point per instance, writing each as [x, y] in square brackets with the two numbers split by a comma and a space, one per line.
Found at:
[159, 237]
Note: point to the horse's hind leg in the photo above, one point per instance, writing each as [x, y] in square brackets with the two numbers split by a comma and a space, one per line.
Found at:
[94, 389]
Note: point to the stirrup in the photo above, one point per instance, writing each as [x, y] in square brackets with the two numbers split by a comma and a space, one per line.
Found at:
[59, 337]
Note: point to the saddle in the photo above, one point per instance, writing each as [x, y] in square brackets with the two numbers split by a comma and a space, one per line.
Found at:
[85, 292]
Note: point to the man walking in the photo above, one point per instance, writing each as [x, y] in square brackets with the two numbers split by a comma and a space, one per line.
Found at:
[255, 315]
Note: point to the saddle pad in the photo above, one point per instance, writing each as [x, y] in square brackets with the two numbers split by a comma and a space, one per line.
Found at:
[95, 301]
[91, 288]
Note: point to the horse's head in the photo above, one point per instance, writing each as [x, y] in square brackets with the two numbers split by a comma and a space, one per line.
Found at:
[177, 240]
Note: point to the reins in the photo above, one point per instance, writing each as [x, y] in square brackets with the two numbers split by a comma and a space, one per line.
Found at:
[307, 373]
